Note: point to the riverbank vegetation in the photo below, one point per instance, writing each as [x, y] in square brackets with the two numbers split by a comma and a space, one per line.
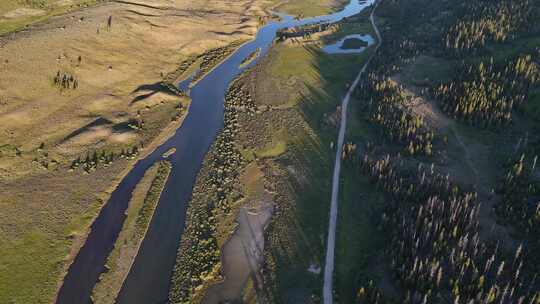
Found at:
[286, 133]
[215, 193]
[249, 59]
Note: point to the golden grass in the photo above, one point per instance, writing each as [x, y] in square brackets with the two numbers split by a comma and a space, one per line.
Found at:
[46, 210]
[18, 14]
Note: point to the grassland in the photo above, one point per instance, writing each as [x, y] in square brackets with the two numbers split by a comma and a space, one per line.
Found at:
[64, 150]
[48, 172]
[18, 14]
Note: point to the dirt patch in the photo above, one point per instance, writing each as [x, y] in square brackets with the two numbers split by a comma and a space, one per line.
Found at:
[252, 179]
[421, 105]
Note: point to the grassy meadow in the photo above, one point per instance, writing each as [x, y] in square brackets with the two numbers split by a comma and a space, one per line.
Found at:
[18, 14]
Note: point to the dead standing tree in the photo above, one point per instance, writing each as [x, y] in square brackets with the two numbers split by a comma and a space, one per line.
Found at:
[109, 23]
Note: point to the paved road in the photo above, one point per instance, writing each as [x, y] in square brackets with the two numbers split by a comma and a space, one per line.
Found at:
[331, 242]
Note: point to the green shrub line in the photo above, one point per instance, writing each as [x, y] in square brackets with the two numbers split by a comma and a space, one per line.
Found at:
[198, 258]
[152, 198]
[213, 57]
[250, 57]
[205, 61]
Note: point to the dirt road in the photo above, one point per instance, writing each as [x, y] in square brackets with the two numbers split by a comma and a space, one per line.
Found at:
[331, 241]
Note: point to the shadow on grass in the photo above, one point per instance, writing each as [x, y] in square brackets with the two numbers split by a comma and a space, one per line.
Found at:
[154, 88]
[314, 155]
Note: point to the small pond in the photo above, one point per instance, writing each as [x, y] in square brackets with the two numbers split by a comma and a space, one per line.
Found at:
[351, 44]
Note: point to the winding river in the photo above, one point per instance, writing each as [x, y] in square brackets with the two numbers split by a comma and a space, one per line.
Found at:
[149, 278]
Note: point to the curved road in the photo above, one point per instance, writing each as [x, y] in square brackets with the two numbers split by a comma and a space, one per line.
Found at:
[331, 242]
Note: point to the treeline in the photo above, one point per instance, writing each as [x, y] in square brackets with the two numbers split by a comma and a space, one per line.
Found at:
[198, 259]
[489, 21]
[406, 33]
[370, 294]
[151, 199]
[387, 108]
[93, 160]
[488, 93]
[519, 191]
[434, 247]
[436, 252]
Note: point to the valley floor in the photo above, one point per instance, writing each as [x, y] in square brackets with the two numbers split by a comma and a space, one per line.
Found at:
[84, 92]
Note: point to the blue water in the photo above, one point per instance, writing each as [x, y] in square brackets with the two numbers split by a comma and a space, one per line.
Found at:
[337, 48]
[149, 278]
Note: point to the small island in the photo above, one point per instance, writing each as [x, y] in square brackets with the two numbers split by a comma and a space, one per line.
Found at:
[353, 44]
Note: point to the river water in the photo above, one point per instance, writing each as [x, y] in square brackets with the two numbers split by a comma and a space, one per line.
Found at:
[149, 278]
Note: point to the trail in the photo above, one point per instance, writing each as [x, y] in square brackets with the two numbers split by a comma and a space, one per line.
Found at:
[331, 241]
[468, 159]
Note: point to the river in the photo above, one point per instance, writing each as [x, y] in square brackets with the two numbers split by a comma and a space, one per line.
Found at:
[149, 278]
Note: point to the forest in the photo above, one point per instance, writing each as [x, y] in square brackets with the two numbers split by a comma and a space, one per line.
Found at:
[439, 248]
[488, 94]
